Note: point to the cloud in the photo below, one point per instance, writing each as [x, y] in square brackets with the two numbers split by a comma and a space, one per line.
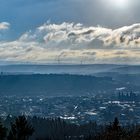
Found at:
[73, 43]
[4, 25]
[127, 36]
[76, 34]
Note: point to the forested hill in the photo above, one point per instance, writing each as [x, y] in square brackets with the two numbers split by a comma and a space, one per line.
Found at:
[54, 84]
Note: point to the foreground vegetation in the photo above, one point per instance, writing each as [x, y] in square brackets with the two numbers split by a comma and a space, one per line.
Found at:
[22, 128]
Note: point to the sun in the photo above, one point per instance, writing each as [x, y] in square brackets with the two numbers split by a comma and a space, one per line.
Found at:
[119, 3]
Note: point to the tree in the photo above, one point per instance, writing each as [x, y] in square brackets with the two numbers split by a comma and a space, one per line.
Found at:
[114, 131]
[3, 132]
[20, 129]
[116, 125]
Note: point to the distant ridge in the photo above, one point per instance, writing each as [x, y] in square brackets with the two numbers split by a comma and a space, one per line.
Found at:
[85, 69]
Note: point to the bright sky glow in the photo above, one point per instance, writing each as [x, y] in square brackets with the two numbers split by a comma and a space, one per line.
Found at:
[119, 3]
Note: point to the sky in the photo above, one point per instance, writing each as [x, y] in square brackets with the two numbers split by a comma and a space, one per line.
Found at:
[70, 31]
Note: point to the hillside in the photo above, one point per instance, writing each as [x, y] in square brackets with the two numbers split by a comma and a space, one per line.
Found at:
[54, 84]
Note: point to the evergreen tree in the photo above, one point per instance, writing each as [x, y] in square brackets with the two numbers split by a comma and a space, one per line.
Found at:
[3, 132]
[114, 131]
[115, 126]
[21, 129]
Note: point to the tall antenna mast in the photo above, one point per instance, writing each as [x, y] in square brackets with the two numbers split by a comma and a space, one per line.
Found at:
[58, 60]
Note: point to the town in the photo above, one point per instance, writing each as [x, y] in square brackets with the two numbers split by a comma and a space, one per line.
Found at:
[76, 109]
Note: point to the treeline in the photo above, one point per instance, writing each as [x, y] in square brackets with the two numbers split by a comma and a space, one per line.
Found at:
[23, 128]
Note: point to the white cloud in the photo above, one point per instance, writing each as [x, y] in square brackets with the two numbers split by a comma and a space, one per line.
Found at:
[77, 34]
[73, 43]
[4, 25]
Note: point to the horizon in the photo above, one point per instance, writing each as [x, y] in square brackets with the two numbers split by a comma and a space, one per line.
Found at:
[64, 64]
